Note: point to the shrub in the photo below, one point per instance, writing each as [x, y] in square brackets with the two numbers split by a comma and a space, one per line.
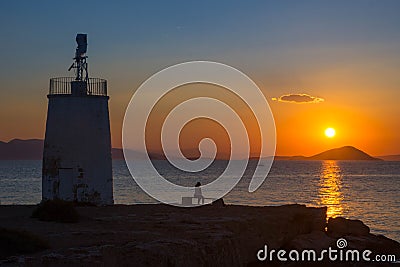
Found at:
[57, 211]
[13, 242]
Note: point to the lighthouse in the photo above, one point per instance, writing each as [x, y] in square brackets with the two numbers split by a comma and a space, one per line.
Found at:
[77, 163]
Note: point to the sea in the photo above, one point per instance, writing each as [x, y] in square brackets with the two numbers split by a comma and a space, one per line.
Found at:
[364, 190]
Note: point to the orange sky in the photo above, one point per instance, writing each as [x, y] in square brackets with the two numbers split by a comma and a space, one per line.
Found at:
[368, 122]
[360, 122]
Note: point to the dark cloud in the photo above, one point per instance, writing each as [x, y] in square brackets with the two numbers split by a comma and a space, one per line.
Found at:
[298, 99]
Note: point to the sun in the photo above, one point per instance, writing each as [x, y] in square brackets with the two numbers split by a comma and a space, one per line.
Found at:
[330, 132]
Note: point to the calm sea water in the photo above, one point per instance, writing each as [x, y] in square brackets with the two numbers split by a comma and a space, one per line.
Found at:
[363, 190]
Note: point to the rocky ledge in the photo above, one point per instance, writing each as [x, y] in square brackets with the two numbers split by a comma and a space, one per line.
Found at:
[160, 235]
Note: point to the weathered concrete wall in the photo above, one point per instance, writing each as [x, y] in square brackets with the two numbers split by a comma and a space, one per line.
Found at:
[77, 150]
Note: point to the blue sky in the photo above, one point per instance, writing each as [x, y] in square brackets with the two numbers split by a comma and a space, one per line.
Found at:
[41, 33]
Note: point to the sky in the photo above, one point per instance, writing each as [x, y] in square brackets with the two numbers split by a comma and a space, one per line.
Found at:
[339, 58]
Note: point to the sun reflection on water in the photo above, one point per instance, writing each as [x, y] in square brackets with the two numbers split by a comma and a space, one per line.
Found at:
[330, 188]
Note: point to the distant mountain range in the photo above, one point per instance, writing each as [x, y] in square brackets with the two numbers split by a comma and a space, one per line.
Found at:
[390, 157]
[21, 149]
[32, 149]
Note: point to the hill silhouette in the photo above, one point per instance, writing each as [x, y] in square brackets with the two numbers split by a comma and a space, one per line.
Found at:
[390, 157]
[16, 149]
[32, 149]
[343, 153]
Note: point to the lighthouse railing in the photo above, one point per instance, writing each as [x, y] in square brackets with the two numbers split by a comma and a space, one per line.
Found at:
[62, 86]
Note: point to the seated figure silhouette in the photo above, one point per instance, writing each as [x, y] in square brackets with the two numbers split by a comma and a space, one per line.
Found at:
[198, 194]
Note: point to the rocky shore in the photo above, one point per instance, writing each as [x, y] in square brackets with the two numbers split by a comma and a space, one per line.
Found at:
[214, 235]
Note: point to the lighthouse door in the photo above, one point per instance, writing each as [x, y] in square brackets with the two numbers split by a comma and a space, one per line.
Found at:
[66, 183]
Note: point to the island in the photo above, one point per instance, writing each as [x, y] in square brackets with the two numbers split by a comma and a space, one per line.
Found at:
[342, 153]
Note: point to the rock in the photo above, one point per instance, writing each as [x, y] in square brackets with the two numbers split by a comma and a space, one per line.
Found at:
[376, 243]
[338, 227]
[312, 219]
[317, 240]
[219, 203]
[161, 235]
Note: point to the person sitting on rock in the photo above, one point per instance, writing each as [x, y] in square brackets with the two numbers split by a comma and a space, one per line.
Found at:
[198, 194]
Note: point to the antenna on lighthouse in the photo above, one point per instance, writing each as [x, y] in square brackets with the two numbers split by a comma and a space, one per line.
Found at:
[77, 164]
[80, 65]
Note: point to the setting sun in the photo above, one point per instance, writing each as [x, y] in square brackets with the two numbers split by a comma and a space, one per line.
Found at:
[330, 132]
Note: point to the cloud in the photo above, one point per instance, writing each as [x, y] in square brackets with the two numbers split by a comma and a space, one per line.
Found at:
[298, 99]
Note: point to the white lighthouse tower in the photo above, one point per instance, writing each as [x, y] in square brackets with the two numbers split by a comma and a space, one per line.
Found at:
[77, 147]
